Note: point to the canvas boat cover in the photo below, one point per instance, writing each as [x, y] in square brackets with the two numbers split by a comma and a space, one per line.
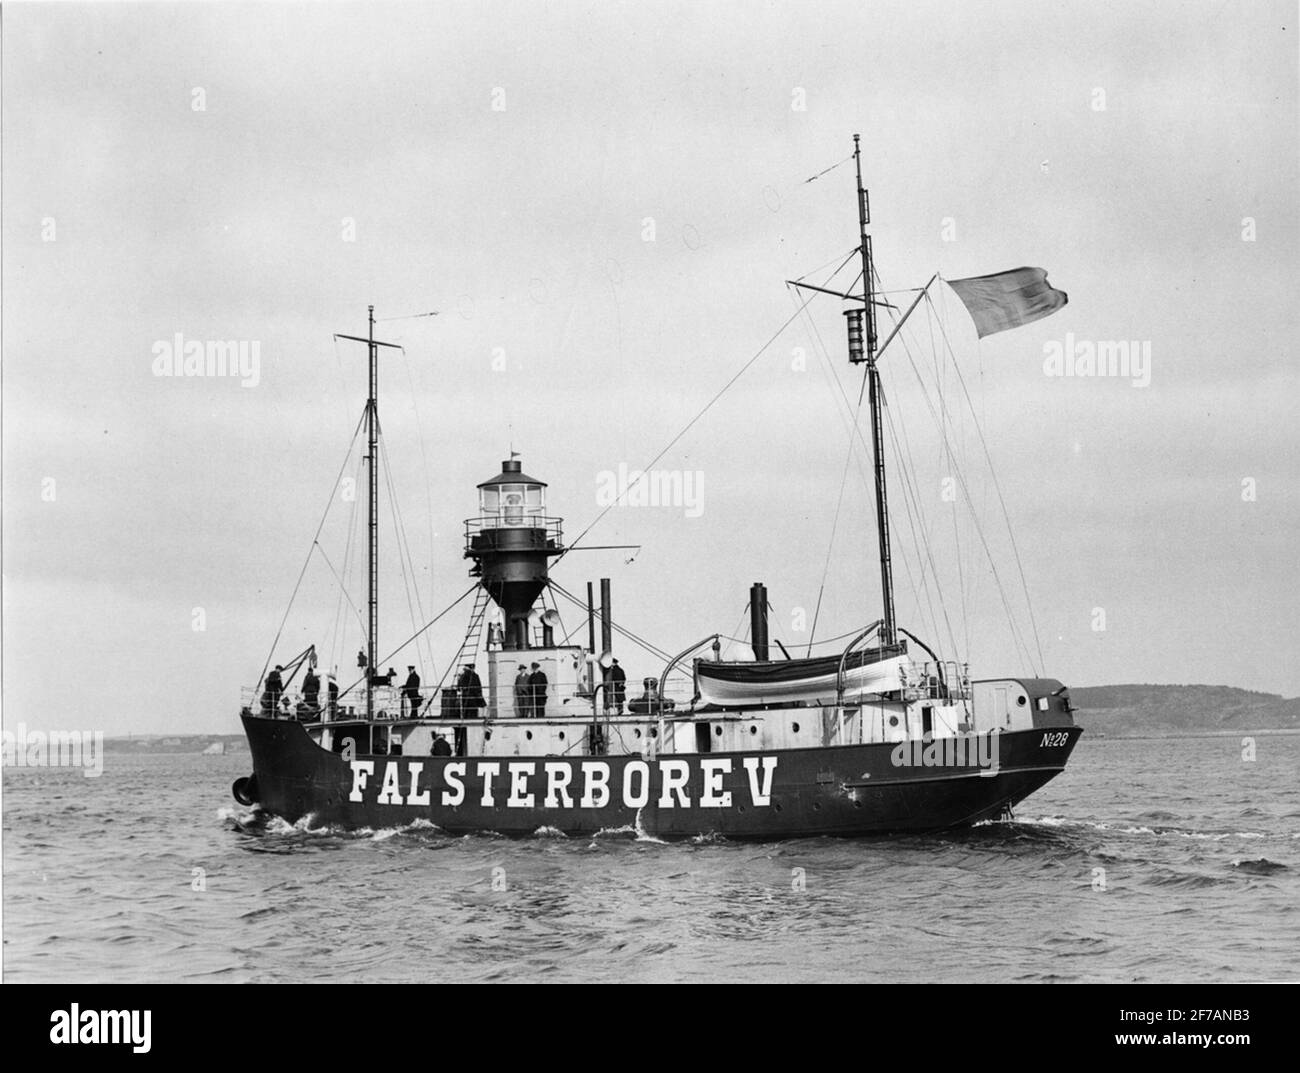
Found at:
[801, 680]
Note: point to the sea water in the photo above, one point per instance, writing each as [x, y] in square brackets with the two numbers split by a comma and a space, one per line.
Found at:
[1147, 860]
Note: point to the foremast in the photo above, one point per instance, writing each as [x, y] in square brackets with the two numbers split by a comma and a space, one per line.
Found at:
[372, 475]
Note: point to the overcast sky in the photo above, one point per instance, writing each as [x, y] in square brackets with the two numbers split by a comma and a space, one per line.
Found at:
[262, 173]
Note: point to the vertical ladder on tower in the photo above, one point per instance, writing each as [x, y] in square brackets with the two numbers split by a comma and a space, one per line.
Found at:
[472, 634]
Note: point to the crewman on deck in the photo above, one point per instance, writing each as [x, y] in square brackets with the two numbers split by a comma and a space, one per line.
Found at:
[537, 684]
[648, 703]
[523, 694]
[617, 687]
[274, 687]
[311, 691]
[441, 746]
[332, 698]
[471, 692]
[411, 698]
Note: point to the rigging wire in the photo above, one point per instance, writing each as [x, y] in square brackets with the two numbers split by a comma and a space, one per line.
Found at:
[830, 546]
[654, 650]
[997, 487]
[400, 533]
[961, 480]
[742, 621]
[827, 171]
[451, 606]
[690, 424]
[292, 596]
[836, 259]
[405, 558]
[910, 491]
[342, 588]
[336, 635]
[956, 532]
[848, 414]
[906, 471]
[428, 487]
[852, 426]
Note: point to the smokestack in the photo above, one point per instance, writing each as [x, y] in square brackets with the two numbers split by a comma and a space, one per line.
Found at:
[758, 619]
[606, 622]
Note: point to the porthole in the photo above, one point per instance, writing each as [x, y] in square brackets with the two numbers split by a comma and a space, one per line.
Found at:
[1022, 700]
[794, 728]
[718, 731]
[817, 806]
[487, 735]
[753, 730]
[528, 734]
[561, 735]
[654, 732]
[637, 732]
[893, 720]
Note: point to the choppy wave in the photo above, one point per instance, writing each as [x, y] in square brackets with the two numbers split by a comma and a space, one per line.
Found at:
[1261, 866]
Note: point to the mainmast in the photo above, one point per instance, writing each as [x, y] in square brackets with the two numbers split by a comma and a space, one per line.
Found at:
[856, 354]
[372, 463]
[372, 416]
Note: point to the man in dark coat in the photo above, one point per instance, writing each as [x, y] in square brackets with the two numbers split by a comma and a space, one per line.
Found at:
[411, 691]
[311, 691]
[441, 746]
[471, 691]
[274, 687]
[537, 682]
[523, 694]
[617, 687]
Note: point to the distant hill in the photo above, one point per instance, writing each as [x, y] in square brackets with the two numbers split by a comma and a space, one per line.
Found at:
[1167, 709]
[176, 743]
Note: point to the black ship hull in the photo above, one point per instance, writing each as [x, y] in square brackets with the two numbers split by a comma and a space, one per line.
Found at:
[846, 790]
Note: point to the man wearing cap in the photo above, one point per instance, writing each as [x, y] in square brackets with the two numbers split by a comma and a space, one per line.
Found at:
[523, 694]
[311, 693]
[274, 687]
[617, 687]
[537, 689]
[411, 691]
[471, 691]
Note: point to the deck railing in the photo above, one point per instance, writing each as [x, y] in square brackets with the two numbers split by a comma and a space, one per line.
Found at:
[389, 704]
